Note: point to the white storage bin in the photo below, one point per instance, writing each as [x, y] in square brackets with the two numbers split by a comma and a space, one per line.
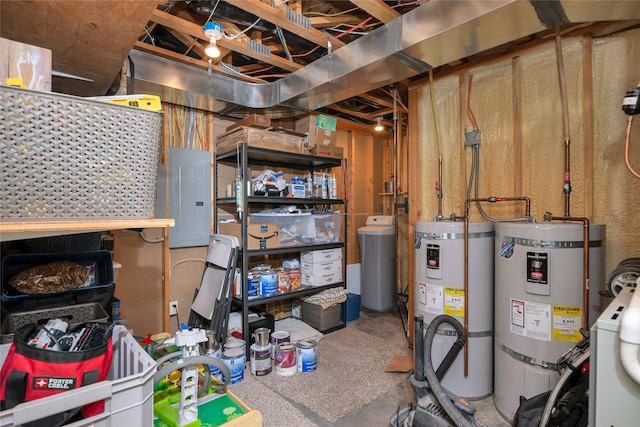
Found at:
[128, 391]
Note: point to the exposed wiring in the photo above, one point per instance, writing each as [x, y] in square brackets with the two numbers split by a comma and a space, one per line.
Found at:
[182, 261]
[330, 14]
[243, 31]
[472, 117]
[146, 239]
[626, 147]
[146, 30]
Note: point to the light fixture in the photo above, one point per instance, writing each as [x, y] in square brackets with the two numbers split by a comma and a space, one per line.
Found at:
[214, 32]
[379, 126]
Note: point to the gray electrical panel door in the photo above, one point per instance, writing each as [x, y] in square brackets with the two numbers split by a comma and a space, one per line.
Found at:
[189, 197]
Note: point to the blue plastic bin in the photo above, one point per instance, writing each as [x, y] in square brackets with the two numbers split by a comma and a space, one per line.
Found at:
[353, 307]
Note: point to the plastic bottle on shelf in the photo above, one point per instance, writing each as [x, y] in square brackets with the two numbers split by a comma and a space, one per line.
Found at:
[239, 192]
[324, 185]
[333, 188]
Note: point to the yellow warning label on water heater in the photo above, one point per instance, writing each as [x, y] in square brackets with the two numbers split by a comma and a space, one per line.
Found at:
[454, 301]
[567, 321]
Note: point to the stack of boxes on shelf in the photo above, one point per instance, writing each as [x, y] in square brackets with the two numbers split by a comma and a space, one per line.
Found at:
[321, 135]
[321, 267]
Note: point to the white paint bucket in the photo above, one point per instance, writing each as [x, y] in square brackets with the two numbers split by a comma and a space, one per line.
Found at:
[235, 360]
[306, 355]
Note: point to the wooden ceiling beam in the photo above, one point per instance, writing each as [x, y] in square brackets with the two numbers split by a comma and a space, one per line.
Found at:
[369, 117]
[278, 17]
[189, 28]
[332, 21]
[191, 43]
[169, 54]
[378, 9]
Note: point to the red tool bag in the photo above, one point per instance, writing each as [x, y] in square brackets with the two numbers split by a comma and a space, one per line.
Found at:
[30, 373]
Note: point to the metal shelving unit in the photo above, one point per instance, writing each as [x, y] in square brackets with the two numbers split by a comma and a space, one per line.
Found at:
[244, 156]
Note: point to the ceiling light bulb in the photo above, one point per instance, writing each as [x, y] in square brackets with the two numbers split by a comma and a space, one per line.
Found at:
[212, 49]
[379, 126]
[214, 32]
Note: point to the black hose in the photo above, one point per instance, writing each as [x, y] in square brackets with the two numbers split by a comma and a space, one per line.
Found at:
[453, 412]
[418, 350]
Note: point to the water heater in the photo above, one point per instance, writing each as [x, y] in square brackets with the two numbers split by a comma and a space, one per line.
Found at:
[539, 303]
[439, 289]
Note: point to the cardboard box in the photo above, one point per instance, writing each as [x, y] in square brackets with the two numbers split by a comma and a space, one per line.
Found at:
[260, 235]
[253, 120]
[30, 63]
[322, 267]
[326, 278]
[260, 138]
[327, 151]
[320, 130]
[321, 255]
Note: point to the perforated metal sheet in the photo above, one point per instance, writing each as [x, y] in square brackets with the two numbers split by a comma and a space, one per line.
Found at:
[68, 157]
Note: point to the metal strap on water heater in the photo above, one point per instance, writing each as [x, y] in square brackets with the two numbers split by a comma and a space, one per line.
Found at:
[453, 333]
[419, 235]
[559, 244]
[527, 359]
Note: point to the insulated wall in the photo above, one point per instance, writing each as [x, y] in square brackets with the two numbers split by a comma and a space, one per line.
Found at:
[516, 102]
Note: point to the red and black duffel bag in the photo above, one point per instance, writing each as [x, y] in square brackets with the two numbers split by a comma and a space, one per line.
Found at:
[30, 373]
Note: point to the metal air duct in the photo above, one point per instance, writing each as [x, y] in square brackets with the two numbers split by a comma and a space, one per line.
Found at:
[434, 34]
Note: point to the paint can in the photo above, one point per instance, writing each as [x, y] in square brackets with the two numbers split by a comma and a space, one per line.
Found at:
[260, 360]
[235, 343]
[307, 355]
[253, 284]
[278, 337]
[295, 278]
[234, 359]
[285, 359]
[261, 336]
[284, 284]
[268, 283]
[214, 371]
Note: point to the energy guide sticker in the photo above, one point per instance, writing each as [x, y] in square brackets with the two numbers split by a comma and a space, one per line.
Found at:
[567, 320]
[454, 301]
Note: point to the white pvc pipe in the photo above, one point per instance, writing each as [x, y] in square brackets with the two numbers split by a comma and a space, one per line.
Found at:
[630, 337]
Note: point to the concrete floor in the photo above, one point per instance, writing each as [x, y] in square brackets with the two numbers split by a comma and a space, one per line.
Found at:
[388, 325]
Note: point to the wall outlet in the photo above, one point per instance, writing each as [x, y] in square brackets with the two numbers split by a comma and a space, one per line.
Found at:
[173, 308]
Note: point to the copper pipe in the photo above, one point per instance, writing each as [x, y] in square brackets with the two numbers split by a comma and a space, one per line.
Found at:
[466, 295]
[465, 218]
[439, 189]
[585, 262]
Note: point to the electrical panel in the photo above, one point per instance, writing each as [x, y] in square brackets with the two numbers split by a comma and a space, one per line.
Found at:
[189, 194]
